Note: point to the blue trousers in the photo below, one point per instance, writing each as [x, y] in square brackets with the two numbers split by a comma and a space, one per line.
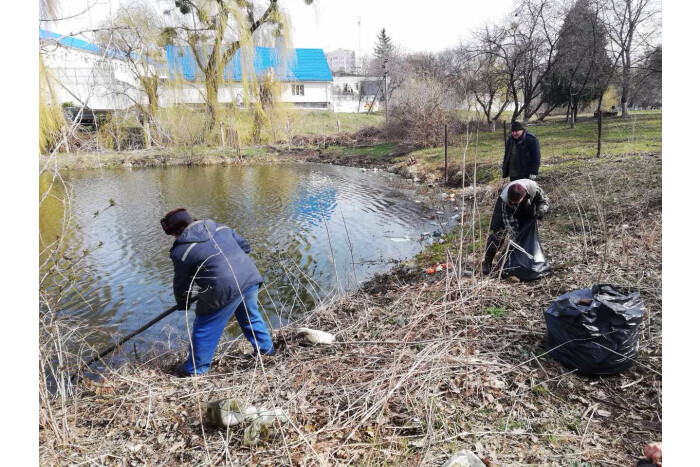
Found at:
[207, 330]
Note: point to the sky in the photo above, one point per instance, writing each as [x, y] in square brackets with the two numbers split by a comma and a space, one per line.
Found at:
[431, 25]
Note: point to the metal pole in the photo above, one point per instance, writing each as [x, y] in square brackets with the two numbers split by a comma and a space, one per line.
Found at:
[445, 154]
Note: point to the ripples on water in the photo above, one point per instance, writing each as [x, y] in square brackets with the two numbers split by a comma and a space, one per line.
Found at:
[305, 223]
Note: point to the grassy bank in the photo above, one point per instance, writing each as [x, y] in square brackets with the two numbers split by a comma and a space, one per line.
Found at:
[424, 365]
[316, 139]
[559, 144]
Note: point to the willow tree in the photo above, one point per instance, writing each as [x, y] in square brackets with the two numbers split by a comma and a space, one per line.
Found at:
[135, 32]
[51, 120]
[215, 30]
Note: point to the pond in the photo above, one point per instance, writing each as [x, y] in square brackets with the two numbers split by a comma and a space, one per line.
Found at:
[315, 230]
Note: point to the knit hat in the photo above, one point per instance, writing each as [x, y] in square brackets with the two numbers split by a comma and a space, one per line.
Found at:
[515, 126]
[516, 192]
[175, 220]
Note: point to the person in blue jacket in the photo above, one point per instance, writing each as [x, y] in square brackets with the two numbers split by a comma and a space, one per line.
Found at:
[215, 258]
[522, 156]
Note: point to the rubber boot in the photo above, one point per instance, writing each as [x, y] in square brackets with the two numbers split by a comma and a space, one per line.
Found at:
[486, 266]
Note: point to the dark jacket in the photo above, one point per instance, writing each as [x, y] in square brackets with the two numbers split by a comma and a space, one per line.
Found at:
[535, 201]
[215, 258]
[528, 155]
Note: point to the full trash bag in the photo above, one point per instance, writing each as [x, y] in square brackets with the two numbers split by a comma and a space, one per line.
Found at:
[595, 330]
[530, 264]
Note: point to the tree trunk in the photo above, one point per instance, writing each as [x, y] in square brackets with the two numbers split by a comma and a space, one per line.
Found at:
[600, 123]
[573, 112]
[626, 78]
[526, 113]
[545, 113]
[212, 101]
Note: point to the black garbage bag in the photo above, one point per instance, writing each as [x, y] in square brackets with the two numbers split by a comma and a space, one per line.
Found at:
[595, 331]
[530, 264]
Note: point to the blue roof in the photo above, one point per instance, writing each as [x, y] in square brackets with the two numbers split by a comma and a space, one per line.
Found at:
[68, 41]
[300, 64]
[86, 46]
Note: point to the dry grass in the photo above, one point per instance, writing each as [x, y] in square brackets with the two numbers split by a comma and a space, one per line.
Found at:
[422, 365]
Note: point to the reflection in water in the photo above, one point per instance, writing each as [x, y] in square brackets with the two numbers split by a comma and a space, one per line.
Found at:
[314, 230]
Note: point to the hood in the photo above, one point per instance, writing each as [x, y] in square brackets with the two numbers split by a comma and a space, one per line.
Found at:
[198, 232]
[530, 186]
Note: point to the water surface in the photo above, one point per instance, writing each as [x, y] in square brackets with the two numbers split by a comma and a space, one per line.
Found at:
[314, 230]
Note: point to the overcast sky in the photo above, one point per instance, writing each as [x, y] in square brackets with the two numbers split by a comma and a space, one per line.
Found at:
[430, 25]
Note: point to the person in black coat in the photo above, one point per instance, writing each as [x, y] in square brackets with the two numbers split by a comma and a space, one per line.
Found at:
[519, 200]
[522, 156]
[214, 257]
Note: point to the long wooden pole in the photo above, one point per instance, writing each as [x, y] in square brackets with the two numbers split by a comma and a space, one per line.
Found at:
[121, 341]
[445, 154]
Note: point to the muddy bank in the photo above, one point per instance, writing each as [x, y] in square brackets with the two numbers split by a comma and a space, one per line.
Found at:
[156, 157]
[343, 151]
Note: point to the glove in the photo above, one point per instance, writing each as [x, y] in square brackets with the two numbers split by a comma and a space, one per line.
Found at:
[540, 214]
[181, 305]
[532, 177]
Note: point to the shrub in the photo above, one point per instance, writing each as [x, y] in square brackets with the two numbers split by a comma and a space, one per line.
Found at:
[417, 114]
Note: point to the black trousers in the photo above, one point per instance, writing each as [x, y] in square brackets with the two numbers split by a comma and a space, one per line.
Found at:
[497, 229]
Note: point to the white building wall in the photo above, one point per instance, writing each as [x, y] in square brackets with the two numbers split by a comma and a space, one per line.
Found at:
[345, 94]
[316, 94]
[84, 78]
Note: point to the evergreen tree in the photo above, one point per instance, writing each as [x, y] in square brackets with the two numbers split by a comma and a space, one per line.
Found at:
[383, 47]
[582, 61]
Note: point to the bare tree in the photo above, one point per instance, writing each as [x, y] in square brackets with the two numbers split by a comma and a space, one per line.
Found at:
[646, 80]
[525, 42]
[482, 75]
[630, 24]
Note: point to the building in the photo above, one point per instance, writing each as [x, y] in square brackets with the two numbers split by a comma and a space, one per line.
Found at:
[304, 74]
[88, 77]
[84, 75]
[342, 61]
[355, 93]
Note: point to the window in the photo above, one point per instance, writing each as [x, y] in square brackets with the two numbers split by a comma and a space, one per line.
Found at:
[297, 89]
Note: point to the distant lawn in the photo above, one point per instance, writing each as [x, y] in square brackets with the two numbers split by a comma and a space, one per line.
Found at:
[639, 134]
[376, 151]
[322, 122]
